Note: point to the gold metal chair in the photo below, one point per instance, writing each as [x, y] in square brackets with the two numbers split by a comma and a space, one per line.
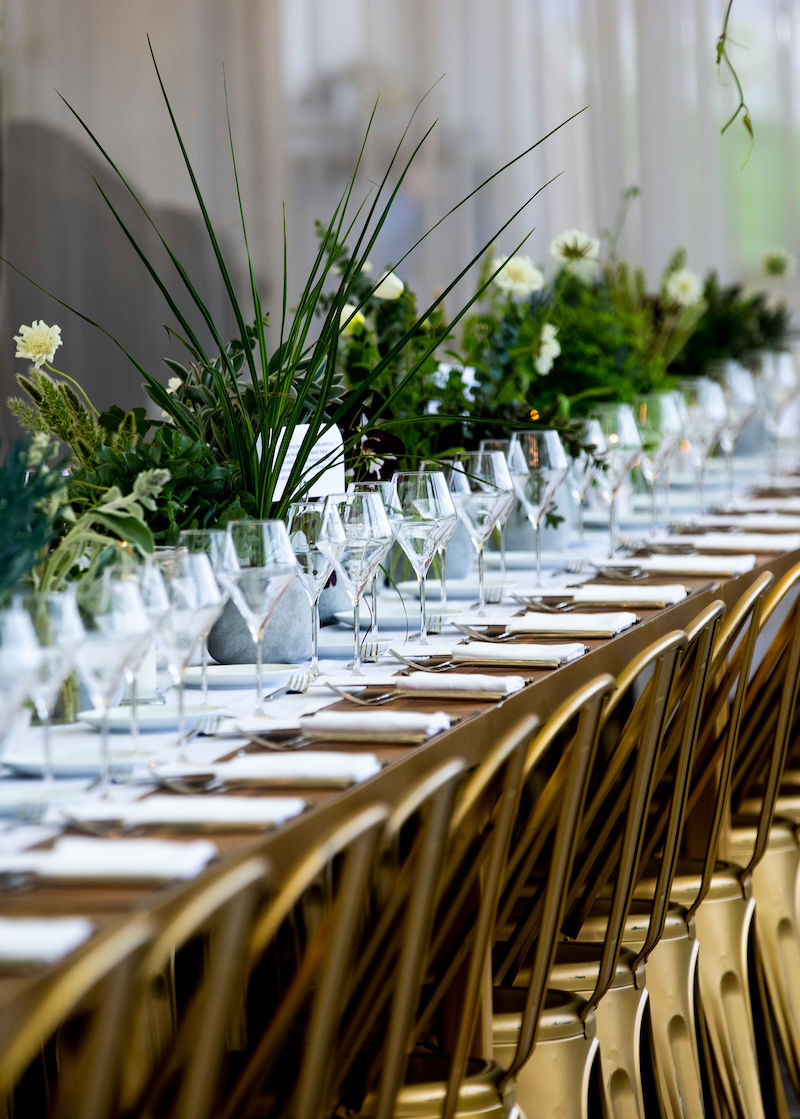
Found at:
[711, 893]
[766, 848]
[97, 987]
[610, 982]
[190, 983]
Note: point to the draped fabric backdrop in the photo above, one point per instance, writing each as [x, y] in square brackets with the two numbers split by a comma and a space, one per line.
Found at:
[302, 77]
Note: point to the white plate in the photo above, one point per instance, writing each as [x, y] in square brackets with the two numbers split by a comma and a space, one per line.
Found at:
[235, 675]
[81, 759]
[393, 618]
[151, 717]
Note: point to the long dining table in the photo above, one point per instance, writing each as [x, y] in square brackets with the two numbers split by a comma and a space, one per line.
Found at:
[475, 725]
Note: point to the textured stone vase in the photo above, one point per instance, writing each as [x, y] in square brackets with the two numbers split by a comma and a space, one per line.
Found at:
[287, 638]
[520, 536]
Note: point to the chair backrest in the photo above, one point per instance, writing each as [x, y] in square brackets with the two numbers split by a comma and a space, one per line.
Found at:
[613, 825]
[769, 711]
[556, 775]
[720, 719]
[310, 930]
[97, 983]
[197, 960]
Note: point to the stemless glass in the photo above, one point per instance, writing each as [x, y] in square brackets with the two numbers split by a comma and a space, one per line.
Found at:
[368, 535]
[482, 491]
[267, 566]
[419, 528]
[195, 602]
[546, 467]
[384, 488]
[708, 415]
[59, 632]
[317, 536]
[659, 422]
[623, 451]
[116, 632]
[218, 546]
[583, 470]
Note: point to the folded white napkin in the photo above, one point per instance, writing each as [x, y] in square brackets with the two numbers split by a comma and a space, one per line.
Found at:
[737, 542]
[574, 624]
[458, 683]
[777, 505]
[150, 860]
[33, 940]
[542, 656]
[377, 725]
[768, 521]
[222, 811]
[632, 594]
[300, 767]
[691, 565]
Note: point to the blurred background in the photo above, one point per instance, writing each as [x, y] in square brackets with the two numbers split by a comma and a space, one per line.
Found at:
[302, 78]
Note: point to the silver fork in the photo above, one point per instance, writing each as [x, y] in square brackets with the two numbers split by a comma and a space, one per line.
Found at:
[479, 635]
[547, 607]
[364, 701]
[370, 652]
[435, 623]
[426, 667]
[494, 594]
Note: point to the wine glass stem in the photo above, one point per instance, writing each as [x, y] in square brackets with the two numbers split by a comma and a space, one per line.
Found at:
[181, 713]
[423, 621]
[315, 637]
[259, 673]
[373, 629]
[357, 636]
[204, 668]
[47, 751]
[702, 484]
[443, 580]
[538, 532]
[105, 763]
[581, 526]
[501, 533]
[481, 585]
[612, 524]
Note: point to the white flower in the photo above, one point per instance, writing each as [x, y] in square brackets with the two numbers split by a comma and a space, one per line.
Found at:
[518, 275]
[549, 349]
[777, 262]
[354, 316]
[574, 244]
[366, 267]
[389, 287]
[683, 288]
[38, 343]
[173, 384]
[166, 417]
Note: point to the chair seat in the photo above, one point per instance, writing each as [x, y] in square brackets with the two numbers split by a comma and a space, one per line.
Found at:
[481, 1096]
[725, 883]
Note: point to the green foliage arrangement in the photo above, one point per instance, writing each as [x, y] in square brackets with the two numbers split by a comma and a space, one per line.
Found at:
[733, 325]
[290, 377]
[30, 489]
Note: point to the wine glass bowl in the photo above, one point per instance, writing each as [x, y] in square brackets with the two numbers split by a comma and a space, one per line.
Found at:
[317, 537]
[482, 492]
[545, 468]
[623, 450]
[422, 511]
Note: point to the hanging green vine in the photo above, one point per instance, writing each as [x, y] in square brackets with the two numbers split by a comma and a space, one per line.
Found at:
[724, 57]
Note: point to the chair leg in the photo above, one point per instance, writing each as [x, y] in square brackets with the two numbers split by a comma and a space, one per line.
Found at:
[546, 1085]
[620, 1016]
[723, 927]
[671, 975]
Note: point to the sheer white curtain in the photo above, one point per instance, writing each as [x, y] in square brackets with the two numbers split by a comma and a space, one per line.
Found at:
[302, 77]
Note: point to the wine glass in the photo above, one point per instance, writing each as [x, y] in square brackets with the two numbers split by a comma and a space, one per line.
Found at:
[659, 422]
[504, 447]
[482, 491]
[384, 488]
[708, 415]
[546, 467]
[583, 469]
[117, 631]
[418, 528]
[449, 524]
[623, 451]
[741, 400]
[195, 602]
[317, 536]
[267, 566]
[20, 657]
[776, 385]
[368, 535]
[59, 631]
[218, 546]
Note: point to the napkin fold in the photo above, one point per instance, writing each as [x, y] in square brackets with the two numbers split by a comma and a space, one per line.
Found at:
[379, 724]
[736, 542]
[316, 768]
[574, 624]
[691, 565]
[542, 656]
[222, 811]
[632, 594]
[41, 940]
[135, 860]
[458, 683]
[767, 521]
